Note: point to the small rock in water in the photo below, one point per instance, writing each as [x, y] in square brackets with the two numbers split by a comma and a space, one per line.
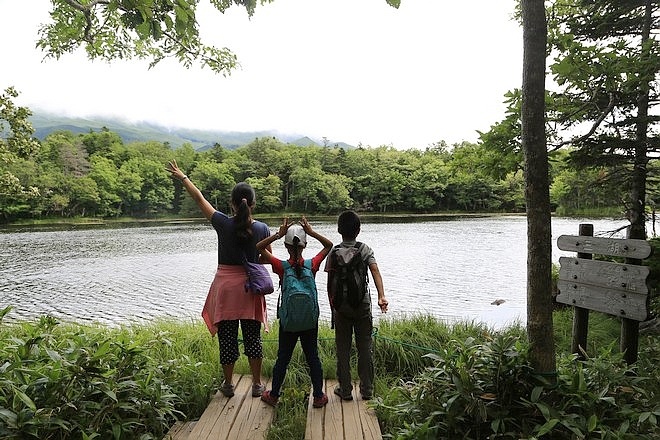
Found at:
[497, 302]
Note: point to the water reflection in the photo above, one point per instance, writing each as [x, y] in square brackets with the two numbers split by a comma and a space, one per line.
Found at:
[454, 269]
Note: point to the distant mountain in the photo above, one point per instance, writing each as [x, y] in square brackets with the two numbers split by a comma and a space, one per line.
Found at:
[46, 123]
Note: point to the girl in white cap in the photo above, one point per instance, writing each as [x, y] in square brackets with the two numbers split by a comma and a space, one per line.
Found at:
[295, 241]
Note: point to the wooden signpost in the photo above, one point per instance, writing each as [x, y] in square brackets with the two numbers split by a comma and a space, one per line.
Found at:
[617, 289]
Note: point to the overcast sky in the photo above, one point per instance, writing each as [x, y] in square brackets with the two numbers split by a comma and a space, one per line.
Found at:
[356, 71]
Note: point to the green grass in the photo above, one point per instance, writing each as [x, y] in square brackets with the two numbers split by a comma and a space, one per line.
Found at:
[433, 380]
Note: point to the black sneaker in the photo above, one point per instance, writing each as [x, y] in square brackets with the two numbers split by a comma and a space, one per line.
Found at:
[340, 394]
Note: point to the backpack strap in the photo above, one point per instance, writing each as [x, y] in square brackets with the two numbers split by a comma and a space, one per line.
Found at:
[359, 246]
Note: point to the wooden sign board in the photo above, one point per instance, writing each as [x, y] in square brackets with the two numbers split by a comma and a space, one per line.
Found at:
[617, 247]
[613, 288]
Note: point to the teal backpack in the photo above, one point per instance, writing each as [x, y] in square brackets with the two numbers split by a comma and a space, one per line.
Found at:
[298, 305]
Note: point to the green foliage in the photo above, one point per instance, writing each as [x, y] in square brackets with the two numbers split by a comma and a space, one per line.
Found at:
[601, 398]
[16, 131]
[470, 391]
[96, 175]
[122, 29]
[16, 147]
[480, 385]
[68, 383]
[433, 380]
[290, 415]
[606, 64]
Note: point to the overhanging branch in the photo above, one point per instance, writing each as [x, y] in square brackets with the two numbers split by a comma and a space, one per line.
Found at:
[594, 127]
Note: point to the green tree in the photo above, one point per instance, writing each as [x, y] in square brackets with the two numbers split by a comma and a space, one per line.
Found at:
[15, 199]
[607, 61]
[106, 176]
[16, 131]
[502, 141]
[16, 143]
[129, 186]
[83, 196]
[215, 181]
[471, 185]
[66, 151]
[306, 184]
[335, 193]
[510, 193]
[268, 190]
[101, 142]
[186, 158]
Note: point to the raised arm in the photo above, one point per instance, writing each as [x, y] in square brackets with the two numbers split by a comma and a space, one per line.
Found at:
[264, 246]
[327, 244]
[206, 208]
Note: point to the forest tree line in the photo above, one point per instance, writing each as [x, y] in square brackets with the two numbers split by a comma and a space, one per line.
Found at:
[98, 175]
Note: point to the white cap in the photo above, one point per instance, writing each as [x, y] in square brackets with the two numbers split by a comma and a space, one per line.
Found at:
[295, 231]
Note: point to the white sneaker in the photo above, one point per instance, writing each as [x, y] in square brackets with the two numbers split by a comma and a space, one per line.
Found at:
[258, 389]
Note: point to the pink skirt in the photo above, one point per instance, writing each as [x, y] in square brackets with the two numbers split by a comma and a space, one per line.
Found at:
[227, 299]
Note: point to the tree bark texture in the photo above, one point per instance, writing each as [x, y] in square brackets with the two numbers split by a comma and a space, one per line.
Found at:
[537, 194]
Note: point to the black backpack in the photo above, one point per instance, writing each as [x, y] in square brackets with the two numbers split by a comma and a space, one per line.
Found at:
[350, 282]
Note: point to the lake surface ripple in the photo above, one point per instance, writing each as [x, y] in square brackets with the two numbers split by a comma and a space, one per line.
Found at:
[452, 269]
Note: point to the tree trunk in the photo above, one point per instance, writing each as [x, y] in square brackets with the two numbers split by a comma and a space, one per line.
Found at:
[636, 213]
[537, 192]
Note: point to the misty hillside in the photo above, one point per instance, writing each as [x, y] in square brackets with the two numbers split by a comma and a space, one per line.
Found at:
[46, 123]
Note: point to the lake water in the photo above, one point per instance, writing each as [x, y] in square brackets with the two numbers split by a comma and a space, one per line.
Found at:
[453, 269]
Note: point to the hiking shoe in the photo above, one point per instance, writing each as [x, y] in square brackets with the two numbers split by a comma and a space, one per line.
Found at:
[340, 394]
[367, 397]
[258, 389]
[319, 402]
[269, 398]
[227, 389]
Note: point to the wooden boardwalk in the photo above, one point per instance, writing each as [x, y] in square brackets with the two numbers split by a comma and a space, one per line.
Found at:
[244, 417]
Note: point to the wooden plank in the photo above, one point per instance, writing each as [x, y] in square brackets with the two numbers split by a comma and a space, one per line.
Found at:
[618, 247]
[369, 421]
[226, 417]
[174, 431]
[333, 426]
[618, 276]
[630, 305]
[253, 420]
[221, 411]
[316, 417]
[351, 409]
[179, 431]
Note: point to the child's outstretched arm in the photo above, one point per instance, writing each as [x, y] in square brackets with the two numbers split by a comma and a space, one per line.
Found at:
[378, 281]
[264, 245]
[327, 244]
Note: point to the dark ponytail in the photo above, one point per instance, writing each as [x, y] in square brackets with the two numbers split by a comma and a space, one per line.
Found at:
[243, 200]
[296, 256]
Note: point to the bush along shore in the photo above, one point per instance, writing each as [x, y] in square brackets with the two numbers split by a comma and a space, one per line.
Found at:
[434, 381]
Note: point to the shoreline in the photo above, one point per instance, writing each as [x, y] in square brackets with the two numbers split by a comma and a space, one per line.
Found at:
[368, 217]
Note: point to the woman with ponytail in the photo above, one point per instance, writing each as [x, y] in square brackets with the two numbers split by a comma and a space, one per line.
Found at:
[228, 305]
